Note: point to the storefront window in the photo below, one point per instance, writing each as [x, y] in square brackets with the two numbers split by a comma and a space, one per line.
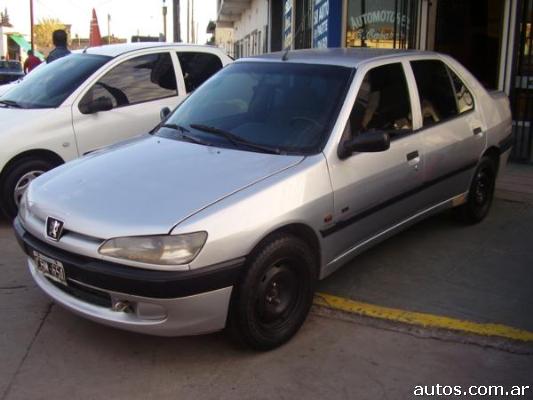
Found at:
[381, 23]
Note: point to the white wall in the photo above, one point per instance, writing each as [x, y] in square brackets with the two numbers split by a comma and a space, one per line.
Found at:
[255, 18]
[3, 40]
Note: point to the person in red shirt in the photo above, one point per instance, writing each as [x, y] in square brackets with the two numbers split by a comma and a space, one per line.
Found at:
[31, 62]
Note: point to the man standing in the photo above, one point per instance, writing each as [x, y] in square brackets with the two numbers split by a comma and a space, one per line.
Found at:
[59, 38]
[31, 62]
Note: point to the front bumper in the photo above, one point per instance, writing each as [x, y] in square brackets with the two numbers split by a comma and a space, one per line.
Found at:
[164, 303]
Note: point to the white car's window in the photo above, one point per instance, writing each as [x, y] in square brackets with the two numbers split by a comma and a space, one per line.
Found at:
[281, 106]
[197, 68]
[50, 84]
[140, 79]
[382, 103]
[465, 101]
[437, 97]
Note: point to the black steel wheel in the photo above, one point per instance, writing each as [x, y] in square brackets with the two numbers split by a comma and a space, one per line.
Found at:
[275, 295]
[481, 192]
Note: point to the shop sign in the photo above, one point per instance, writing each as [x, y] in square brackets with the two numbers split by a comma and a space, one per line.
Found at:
[379, 24]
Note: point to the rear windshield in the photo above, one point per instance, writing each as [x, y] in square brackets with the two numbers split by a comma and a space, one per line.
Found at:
[49, 85]
[287, 106]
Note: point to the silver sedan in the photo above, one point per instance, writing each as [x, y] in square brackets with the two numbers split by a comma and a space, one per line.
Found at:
[270, 176]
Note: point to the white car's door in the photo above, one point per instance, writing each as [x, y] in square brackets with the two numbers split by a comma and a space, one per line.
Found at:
[126, 101]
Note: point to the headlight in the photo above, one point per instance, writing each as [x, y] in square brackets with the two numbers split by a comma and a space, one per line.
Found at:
[162, 250]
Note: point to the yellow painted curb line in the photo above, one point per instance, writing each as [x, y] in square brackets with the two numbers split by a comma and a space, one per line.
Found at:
[420, 319]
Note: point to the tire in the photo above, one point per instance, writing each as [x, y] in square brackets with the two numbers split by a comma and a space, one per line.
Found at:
[481, 193]
[16, 179]
[273, 299]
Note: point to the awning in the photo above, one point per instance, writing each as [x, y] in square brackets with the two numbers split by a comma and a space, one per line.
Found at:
[24, 44]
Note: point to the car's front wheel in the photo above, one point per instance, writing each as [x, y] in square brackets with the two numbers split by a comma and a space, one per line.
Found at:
[274, 297]
[17, 179]
[481, 192]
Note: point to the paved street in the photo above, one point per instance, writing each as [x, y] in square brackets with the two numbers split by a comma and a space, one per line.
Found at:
[480, 273]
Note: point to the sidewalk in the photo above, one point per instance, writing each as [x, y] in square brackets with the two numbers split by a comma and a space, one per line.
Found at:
[516, 183]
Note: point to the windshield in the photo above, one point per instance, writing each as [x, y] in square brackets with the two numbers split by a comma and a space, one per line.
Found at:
[286, 107]
[48, 86]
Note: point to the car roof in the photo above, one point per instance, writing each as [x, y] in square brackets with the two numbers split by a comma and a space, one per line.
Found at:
[114, 50]
[349, 57]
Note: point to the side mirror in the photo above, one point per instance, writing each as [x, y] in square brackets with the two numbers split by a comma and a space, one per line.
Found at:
[100, 104]
[368, 142]
[164, 113]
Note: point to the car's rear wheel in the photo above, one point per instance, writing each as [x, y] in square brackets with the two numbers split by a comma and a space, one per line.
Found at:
[17, 179]
[274, 297]
[481, 192]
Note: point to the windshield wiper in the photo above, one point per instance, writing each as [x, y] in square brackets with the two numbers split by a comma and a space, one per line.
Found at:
[237, 141]
[11, 103]
[188, 138]
[175, 127]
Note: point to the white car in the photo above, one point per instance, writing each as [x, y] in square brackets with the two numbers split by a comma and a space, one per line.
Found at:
[89, 100]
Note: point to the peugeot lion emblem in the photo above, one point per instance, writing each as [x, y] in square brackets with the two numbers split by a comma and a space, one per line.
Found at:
[54, 228]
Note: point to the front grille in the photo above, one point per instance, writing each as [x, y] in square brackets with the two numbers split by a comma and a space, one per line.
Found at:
[84, 293]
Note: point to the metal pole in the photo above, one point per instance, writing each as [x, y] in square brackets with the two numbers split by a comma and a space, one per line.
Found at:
[31, 24]
[108, 28]
[188, 21]
[193, 33]
[164, 20]
[176, 18]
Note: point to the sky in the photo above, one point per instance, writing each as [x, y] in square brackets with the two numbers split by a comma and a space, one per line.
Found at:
[128, 17]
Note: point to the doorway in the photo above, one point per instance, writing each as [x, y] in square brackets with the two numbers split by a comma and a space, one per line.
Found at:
[471, 31]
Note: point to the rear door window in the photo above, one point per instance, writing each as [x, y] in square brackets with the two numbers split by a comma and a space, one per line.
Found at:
[437, 96]
[197, 68]
[140, 79]
[382, 103]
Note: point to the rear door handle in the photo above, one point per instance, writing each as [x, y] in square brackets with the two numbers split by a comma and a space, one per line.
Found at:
[477, 130]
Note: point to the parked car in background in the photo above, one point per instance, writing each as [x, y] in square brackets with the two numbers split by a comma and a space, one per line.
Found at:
[270, 176]
[10, 71]
[89, 100]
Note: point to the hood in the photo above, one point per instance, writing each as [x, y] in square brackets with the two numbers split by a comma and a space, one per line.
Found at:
[6, 87]
[146, 186]
[20, 120]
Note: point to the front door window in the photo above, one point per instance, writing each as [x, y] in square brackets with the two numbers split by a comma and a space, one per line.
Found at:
[138, 80]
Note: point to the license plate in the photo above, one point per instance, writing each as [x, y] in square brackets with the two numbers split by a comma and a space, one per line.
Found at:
[50, 268]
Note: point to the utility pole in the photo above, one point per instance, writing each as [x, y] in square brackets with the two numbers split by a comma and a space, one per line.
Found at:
[164, 20]
[31, 24]
[108, 28]
[176, 18]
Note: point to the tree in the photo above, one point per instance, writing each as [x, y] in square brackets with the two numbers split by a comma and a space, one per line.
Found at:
[43, 31]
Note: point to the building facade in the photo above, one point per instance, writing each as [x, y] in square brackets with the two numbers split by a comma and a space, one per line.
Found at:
[249, 21]
[492, 38]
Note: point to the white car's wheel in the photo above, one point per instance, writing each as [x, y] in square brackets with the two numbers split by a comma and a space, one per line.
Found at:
[17, 179]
